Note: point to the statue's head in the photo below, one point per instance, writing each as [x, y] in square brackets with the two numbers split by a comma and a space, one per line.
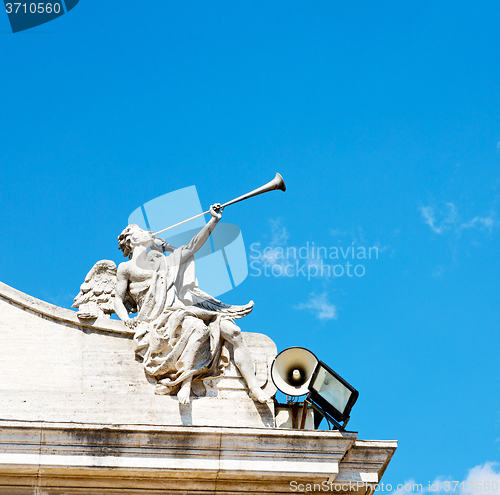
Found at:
[133, 236]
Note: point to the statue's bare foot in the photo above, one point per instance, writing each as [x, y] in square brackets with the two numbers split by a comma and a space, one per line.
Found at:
[259, 395]
[184, 392]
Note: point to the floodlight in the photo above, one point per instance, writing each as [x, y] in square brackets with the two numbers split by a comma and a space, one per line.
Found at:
[331, 395]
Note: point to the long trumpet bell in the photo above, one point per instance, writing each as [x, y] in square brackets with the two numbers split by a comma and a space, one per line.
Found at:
[276, 183]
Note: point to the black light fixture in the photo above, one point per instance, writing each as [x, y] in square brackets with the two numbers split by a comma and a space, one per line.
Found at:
[331, 395]
[296, 371]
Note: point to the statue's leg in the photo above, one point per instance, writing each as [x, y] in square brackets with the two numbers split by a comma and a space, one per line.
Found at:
[242, 358]
[184, 393]
[197, 339]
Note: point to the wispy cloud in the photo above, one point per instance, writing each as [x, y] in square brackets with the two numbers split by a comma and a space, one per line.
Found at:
[410, 486]
[439, 220]
[479, 475]
[480, 479]
[279, 233]
[278, 241]
[320, 307]
[273, 253]
[446, 219]
[480, 222]
[358, 236]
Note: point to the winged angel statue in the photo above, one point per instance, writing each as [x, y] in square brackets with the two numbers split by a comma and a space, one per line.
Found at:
[179, 329]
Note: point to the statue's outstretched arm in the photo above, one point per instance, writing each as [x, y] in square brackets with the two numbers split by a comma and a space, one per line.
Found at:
[201, 237]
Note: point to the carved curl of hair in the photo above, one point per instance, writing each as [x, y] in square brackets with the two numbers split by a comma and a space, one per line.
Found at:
[124, 240]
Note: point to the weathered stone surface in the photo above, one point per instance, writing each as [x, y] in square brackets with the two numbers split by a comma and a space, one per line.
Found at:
[79, 417]
[57, 368]
[101, 459]
[284, 417]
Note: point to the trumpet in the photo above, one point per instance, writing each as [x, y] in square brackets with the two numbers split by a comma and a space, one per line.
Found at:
[276, 183]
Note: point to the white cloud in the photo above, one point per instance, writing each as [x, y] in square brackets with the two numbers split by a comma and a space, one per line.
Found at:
[429, 218]
[356, 235]
[383, 249]
[439, 220]
[480, 480]
[273, 254]
[480, 222]
[483, 479]
[276, 257]
[446, 219]
[320, 307]
[410, 486]
[337, 232]
[279, 234]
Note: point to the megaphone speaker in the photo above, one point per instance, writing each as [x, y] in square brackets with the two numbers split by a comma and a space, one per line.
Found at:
[292, 370]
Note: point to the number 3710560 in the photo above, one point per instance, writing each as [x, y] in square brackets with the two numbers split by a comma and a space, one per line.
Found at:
[33, 8]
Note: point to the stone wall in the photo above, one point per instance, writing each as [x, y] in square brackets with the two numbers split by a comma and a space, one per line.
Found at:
[54, 367]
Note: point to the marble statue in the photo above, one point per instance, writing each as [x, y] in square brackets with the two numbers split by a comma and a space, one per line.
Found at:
[179, 329]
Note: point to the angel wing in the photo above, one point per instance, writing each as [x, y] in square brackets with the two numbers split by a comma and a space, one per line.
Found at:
[206, 301]
[97, 293]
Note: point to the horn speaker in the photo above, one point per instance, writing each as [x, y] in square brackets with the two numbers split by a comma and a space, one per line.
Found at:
[292, 370]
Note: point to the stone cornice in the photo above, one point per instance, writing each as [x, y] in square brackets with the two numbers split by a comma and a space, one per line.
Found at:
[184, 459]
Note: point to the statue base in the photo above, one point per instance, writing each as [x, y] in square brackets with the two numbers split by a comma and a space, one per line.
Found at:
[58, 368]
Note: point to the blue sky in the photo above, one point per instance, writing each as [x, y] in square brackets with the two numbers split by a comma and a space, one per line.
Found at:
[382, 117]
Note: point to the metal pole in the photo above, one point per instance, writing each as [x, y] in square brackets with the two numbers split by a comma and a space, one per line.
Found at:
[303, 418]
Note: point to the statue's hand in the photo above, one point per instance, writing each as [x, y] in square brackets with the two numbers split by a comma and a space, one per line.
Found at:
[216, 211]
[161, 245]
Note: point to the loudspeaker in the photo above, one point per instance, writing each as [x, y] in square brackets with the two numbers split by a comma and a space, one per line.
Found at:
[292, 370]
